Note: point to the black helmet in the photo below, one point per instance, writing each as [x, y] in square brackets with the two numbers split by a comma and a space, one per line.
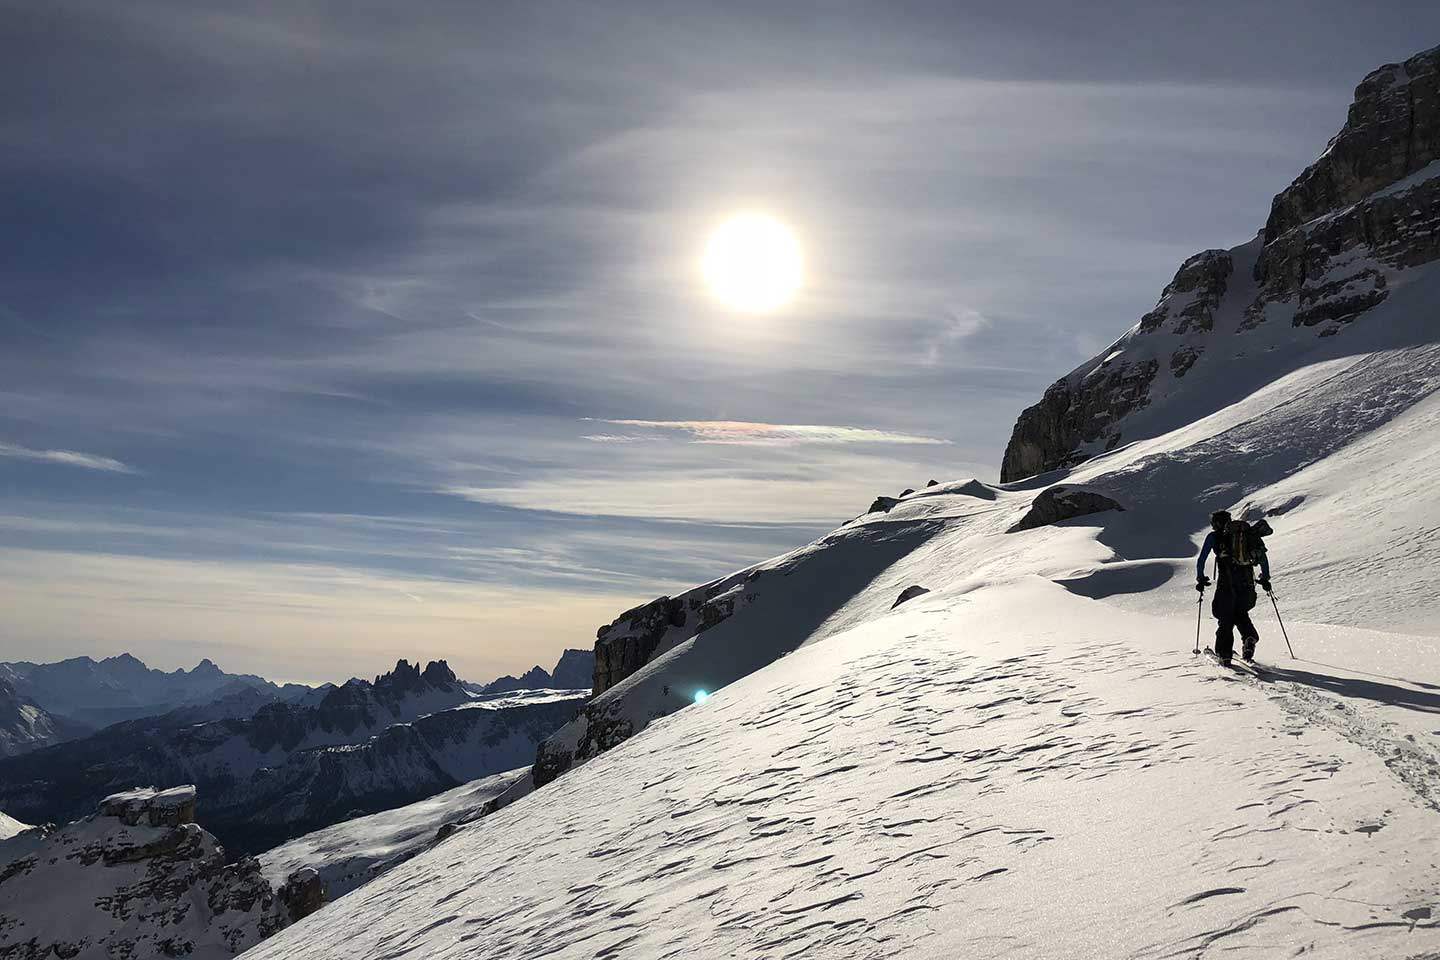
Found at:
[1219, 519]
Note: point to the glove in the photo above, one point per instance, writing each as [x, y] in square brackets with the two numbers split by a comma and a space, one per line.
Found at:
[1265, 583]
[1201, 584]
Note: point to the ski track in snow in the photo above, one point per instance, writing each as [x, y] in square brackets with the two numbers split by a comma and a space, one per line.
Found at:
[934, 793]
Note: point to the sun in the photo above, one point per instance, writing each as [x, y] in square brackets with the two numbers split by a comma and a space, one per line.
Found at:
[752, 263]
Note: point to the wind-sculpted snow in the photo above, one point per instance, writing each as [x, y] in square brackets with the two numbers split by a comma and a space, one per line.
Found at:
[1015, 772]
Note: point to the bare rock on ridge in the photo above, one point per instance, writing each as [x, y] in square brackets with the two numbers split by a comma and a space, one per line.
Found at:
[910, 593]
[1063, 503]
[1368, 206]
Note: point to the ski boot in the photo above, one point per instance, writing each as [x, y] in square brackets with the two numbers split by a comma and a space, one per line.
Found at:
[1247, 648]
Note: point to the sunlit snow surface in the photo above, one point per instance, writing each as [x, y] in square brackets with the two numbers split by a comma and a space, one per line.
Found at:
[1027, 761]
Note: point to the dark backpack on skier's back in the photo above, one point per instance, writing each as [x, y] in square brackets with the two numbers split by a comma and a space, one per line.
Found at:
[1243, 542]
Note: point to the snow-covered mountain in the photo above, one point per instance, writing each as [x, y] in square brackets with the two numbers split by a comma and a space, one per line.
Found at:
[354, 852]
[138, 879]
[969, 723]
[288, 769]
[26, 726]
[96, 693]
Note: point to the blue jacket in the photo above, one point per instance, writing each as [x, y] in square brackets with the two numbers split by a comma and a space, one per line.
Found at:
[1210, 546]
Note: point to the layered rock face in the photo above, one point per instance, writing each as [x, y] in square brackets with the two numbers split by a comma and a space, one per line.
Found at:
[1393, 130]
[632, 640]
[626, 645]
[1336, 241]
[635, 638]
[139, 879]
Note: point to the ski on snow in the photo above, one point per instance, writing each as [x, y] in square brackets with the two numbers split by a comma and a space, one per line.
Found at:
[1238, 665]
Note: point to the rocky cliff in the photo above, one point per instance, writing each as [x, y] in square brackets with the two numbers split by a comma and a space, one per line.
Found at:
[1336, 241]
[138, 879]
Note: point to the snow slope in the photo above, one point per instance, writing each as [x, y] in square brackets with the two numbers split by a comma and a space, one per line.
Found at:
[1026, 761]
[356, 851]
[1014, 771]
[9, 826]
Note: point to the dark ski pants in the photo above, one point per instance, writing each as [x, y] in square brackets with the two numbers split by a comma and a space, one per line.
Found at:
[1234, 599]
[1225, 635]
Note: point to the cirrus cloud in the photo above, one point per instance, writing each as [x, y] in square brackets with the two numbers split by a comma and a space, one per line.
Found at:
[69, 458]
[743, 431]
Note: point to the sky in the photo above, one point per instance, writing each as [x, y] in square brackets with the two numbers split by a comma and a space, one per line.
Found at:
[338, 332]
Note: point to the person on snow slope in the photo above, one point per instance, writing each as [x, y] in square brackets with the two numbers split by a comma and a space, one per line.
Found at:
[1238, 548]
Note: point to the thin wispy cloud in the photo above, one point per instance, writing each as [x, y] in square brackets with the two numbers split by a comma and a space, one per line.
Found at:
[743, 431]
[69, 458]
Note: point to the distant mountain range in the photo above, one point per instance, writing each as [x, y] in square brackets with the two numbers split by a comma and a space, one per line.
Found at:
[270, 769]
[47, 703]
[574, 671]
[43, 704]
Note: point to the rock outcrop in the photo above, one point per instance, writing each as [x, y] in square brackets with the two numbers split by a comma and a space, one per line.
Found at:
[909, 593]
[155, 808]
[1329, 252]
[626, 645]
[1392, 131]
[155, 885]
[638, 636]
[1063, 503]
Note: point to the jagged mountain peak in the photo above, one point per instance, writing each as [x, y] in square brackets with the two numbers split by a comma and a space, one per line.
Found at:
[1340, 240]
[1392, 130]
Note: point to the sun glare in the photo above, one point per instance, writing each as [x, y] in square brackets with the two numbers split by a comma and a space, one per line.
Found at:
[752, 263]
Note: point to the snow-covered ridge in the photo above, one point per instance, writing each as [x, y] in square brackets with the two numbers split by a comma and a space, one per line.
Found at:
[138, 879]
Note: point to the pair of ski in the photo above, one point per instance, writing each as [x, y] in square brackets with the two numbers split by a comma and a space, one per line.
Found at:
[1238, 665]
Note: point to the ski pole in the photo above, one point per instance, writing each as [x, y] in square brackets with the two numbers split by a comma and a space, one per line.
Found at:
[1282, 625]
[1199, 612]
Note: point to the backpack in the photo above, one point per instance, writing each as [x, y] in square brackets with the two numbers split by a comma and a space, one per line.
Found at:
[1243, 542]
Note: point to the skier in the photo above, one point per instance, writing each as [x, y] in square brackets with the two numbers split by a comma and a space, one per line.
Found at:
[1237, 547]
